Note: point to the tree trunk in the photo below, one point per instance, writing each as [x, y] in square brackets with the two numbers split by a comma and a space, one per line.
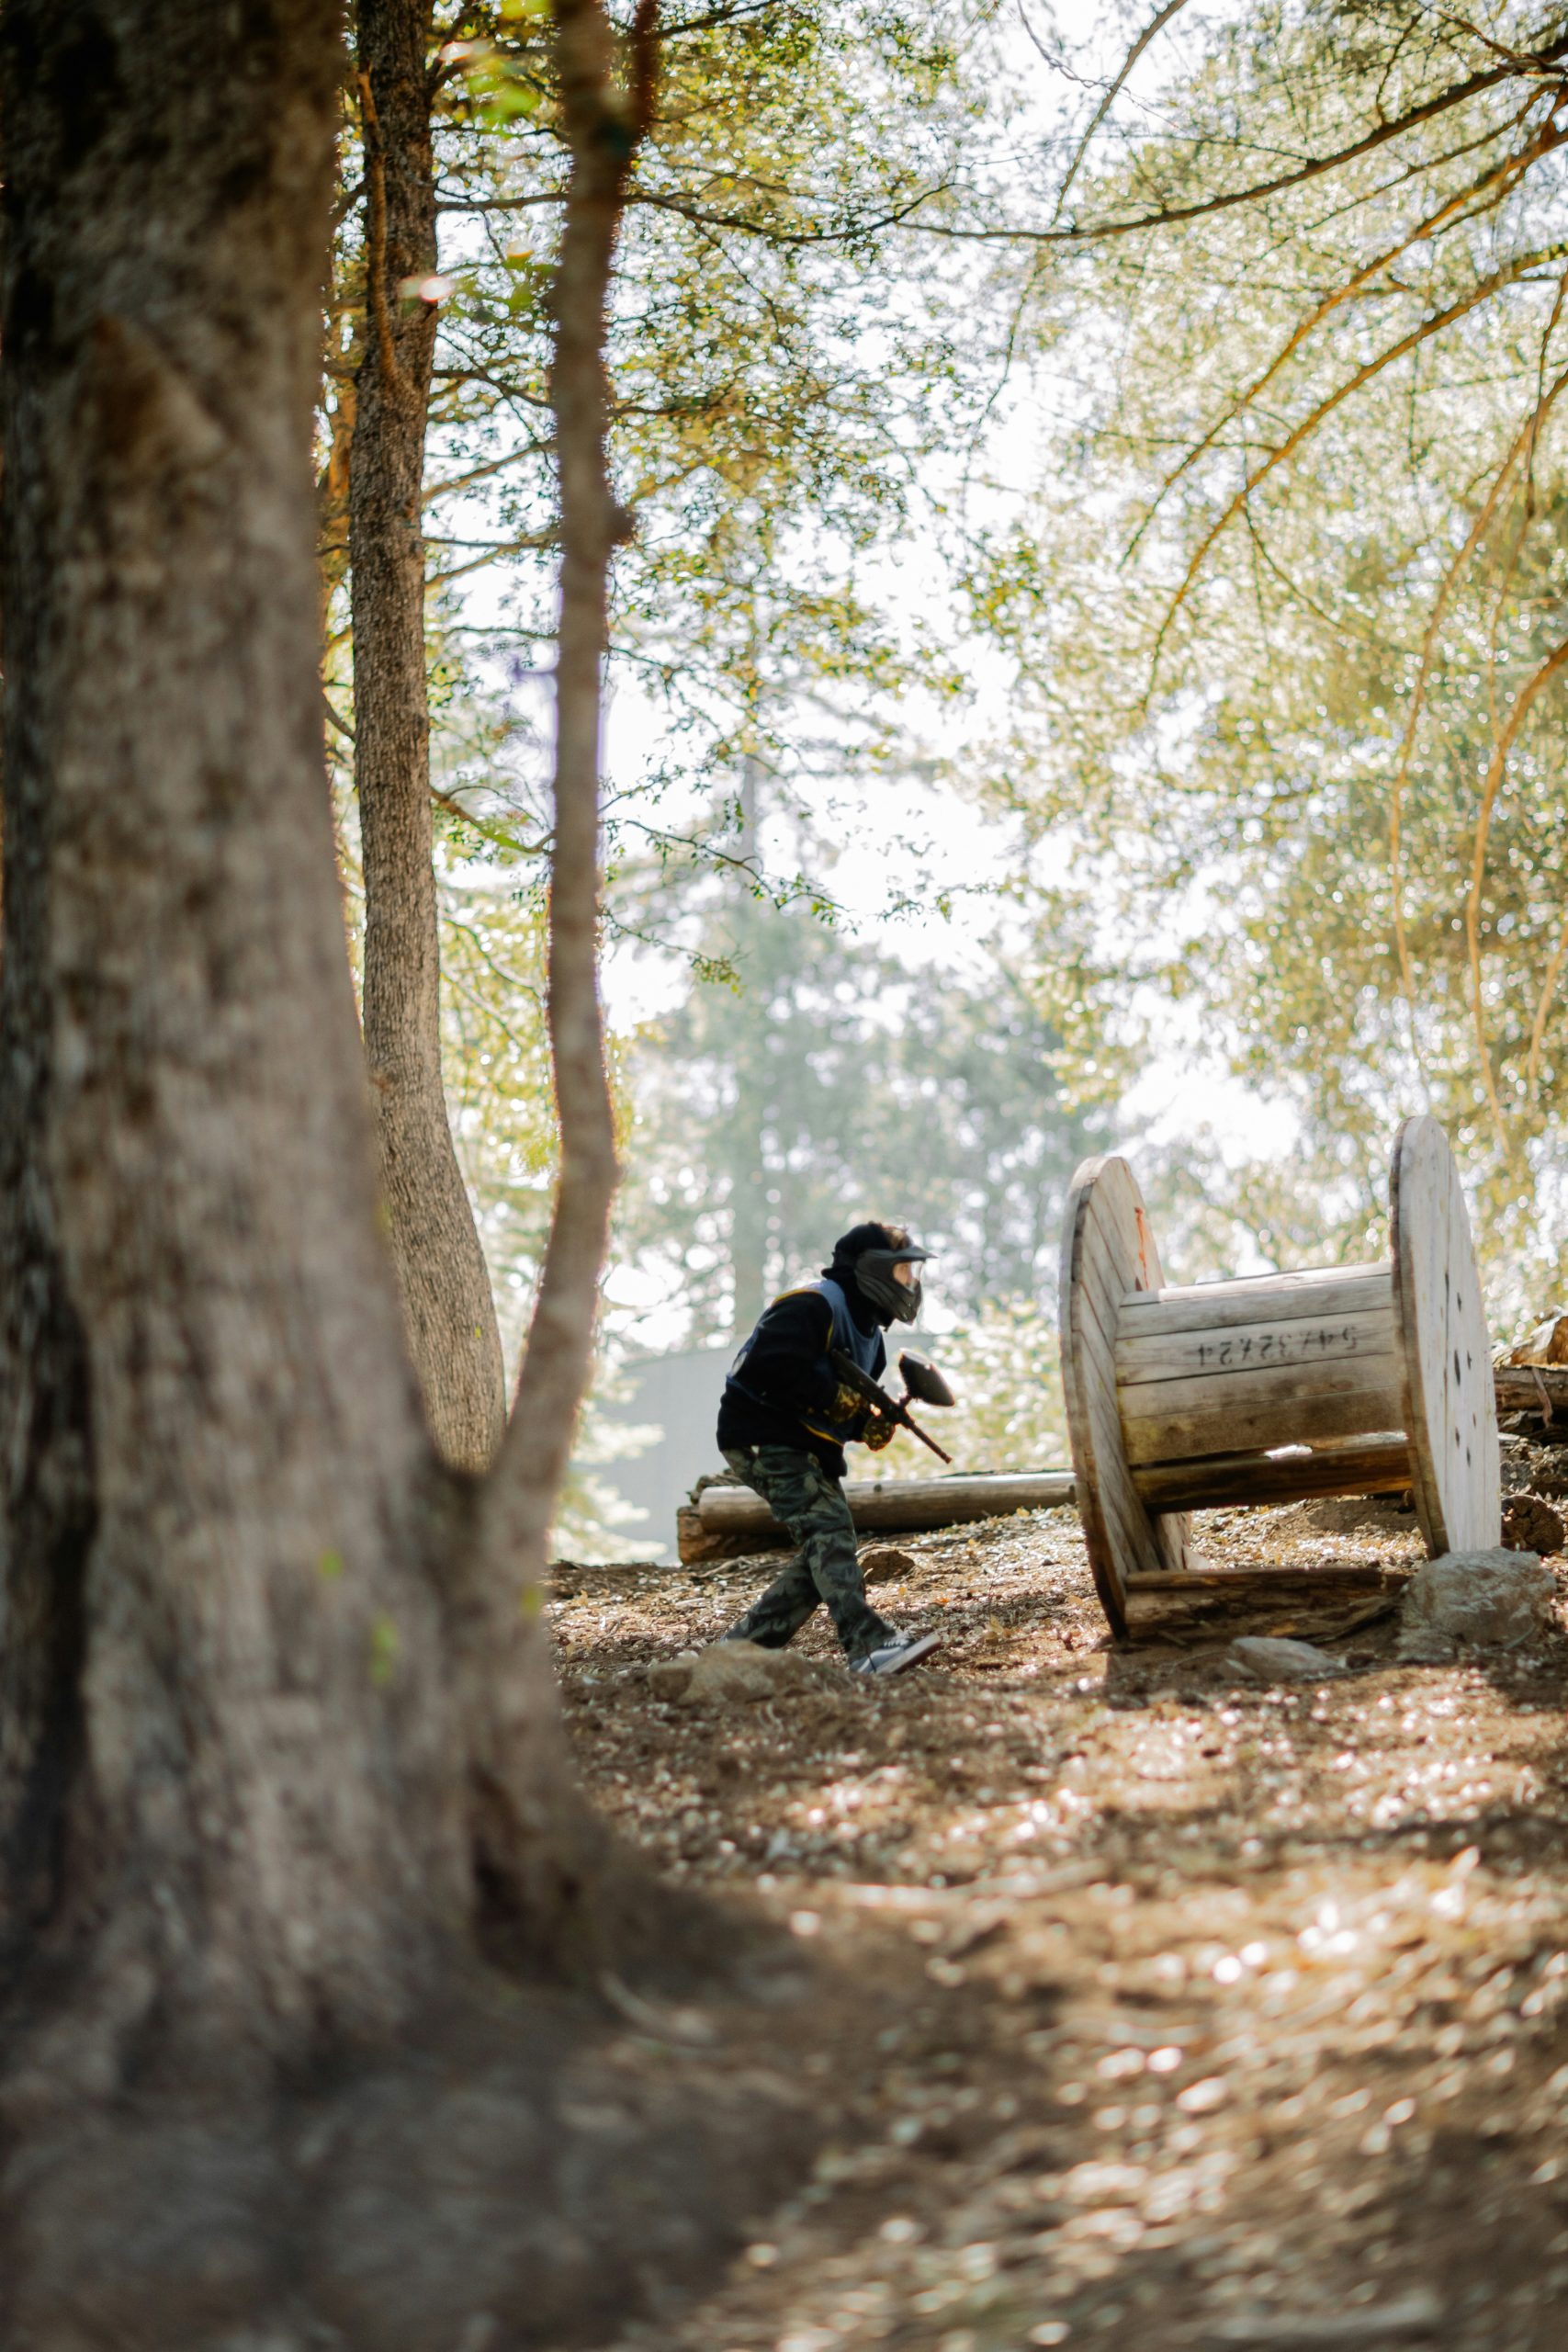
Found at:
[227, 1760]
[529, 1880]
[281, 1770]
[447, 1303]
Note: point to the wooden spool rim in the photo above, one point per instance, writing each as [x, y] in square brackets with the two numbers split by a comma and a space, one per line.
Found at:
[1449, 1403]
[1108, 1249]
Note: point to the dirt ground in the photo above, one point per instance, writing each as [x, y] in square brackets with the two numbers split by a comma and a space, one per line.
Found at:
[1207, 2013]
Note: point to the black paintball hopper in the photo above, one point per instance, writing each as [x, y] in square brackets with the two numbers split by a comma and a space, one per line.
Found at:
[923, 1382]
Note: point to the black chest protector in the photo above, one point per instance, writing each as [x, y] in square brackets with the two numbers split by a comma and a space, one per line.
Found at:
[866, 1347]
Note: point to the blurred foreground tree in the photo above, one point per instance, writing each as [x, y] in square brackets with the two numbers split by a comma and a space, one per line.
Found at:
[284, 1805]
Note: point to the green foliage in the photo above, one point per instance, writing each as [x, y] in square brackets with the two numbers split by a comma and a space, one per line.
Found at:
[1005, 1367]
[830, 1083]
[1284, 625]
[776, 377]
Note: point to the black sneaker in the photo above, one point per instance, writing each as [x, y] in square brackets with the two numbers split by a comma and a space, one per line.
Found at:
[894, 1657]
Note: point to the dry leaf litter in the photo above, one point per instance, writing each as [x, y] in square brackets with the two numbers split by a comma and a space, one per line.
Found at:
[1206, 2009]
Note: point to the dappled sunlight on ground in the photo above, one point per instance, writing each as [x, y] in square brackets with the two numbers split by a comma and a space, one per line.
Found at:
[1216, 2014]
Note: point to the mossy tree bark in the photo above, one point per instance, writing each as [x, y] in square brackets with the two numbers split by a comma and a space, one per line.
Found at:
[447, 1305]
[279, 1755]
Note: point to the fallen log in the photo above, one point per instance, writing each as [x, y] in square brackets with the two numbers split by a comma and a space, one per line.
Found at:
[729, 1521]
[1533, 1389]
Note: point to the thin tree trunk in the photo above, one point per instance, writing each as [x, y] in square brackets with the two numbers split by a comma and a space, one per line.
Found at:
[447, 1302]
[603, 123]
[749, 1200]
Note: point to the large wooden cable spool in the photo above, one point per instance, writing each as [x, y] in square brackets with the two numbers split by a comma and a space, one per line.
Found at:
[1346, 1380]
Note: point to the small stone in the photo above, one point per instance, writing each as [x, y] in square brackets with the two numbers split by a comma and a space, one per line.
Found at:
[1531, 1525]
[886, 1564]
[730, 1673]
[668, 1677]
[1268, 1658]
[1478, 1600]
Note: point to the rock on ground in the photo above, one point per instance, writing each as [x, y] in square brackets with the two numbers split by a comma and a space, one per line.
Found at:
[1479, 1599]
[886, 1564]
[1531, 1525]
[727, 1673]
[1280, 1660]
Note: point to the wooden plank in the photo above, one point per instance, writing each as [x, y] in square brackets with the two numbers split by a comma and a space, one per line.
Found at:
[1236, 1428]
[1130, 1262]
[1078, 1383]
[1411, 1218]
[1230, 1599]
[1238, 1351]
[1103, 1261]
[1373, 1466]
[1372, 1370]
[1222, 1581]
[1175, 1420]
[1473, 1497]
[1259, 1298]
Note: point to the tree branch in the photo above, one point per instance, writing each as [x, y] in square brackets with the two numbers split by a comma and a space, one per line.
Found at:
[1481, 292]
[1505, 172]
[1172, 216]
[1161, 18]
[1527, 433]
[1523, 701]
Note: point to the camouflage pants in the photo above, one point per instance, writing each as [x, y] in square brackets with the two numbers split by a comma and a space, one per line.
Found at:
[804, 1499]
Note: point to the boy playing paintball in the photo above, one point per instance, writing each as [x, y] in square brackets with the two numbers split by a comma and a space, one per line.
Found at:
[784, 1421]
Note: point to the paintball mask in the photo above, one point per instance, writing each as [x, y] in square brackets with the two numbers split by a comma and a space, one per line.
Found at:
[891, 1280]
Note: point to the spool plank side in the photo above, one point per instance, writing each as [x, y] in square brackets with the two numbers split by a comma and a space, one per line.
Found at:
[1257, 1299]
[1448, 1394]
[1243, 1350]
[1127, 1531]
[1216, 1427]
[1238, 1598]
[1266, 1405]
[1094, 1394]
[1375, 1465]
[1108, 1251]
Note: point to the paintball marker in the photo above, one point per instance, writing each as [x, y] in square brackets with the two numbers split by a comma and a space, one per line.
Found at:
[921, 1381]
